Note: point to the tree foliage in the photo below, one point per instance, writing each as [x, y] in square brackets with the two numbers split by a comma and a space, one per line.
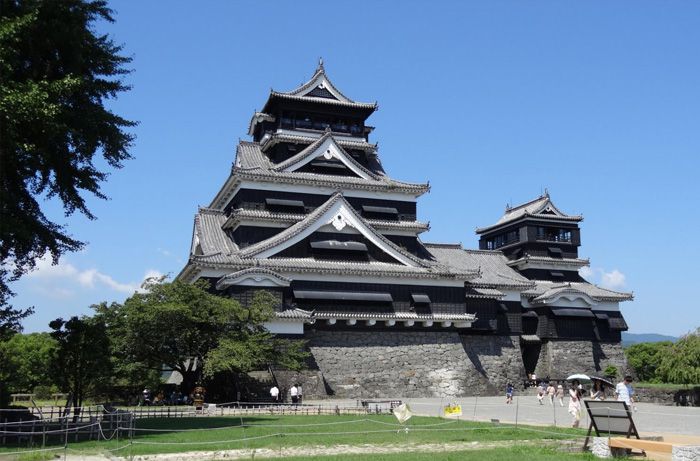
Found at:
[681, 364]
[82, 362]
[27, 361]
[56, 74]
[667, 362]
[186, 328]
[645, 358]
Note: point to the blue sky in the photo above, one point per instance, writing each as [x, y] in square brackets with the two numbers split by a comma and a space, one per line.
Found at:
[490, 101]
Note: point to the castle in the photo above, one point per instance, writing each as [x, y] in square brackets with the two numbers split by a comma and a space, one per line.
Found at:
[309, 214]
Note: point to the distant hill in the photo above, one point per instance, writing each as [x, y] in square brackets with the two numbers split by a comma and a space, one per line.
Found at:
[634, 338]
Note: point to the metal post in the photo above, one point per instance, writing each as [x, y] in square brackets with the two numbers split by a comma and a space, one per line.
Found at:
[476, 400]
[131, 437]
[517, 408]
[65, 442]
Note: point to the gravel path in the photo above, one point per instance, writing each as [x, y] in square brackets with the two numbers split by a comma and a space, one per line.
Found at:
[649, 418]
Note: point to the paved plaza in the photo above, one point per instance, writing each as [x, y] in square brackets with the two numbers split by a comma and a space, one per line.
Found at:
[649, 418]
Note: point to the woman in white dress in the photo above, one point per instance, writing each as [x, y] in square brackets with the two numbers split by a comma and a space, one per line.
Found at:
[575, 402]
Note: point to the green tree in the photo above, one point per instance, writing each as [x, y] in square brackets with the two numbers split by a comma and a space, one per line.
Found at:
[56, 73]
[186, 328]
[681, 363]
[644, 358]
[28, 359]
[82, 364]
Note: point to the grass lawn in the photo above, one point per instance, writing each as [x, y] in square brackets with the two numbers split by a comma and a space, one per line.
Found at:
[163, 435]
[672, 387]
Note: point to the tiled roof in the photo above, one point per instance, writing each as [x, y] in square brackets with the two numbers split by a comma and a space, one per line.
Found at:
[313, 266]
[541, 208]
[479, 293]
[221, 252]
[564, 262]
[207, 229]
[290, 218]
[320, 80]
[311, 149]
[392, 316]
[319, 77]
[493, 266]
[252, 164]
[312, 218]
[347, 143]
[545, 290]
[293, 313]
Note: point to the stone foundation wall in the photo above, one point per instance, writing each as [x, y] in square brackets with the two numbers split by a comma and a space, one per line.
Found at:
[497, 358]
[679, 397]
[380, 364]
[559, 359]
[311, 381]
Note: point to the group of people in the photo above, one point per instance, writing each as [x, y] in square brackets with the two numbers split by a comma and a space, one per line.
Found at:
[623, 393]
[295, 394]
[175, 398]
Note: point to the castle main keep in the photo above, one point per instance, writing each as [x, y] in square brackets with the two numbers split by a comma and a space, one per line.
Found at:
[309, 214]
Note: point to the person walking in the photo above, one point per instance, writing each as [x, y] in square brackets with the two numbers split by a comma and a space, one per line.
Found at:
[550, 392]
[575, 402]
[294, 394]
[509, 393]
[598, 390]
[275, 393]
[560, 394]
[541, 390]
[624, 392]
[299, 393]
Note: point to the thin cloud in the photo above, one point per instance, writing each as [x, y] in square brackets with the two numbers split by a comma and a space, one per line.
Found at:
[614, 279]
[45, 272]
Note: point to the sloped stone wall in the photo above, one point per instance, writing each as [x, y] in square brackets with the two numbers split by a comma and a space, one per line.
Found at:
[364, 364]
[559, 359]
[497, 358]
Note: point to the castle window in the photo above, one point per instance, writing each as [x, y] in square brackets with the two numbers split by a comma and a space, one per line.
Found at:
[551, 234]
[503, 240]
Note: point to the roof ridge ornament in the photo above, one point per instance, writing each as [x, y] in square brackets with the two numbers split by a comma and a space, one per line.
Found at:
[320, 65]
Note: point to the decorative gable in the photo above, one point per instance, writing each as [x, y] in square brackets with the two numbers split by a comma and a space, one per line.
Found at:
[339, 215]
[325, 148]
[320, 87]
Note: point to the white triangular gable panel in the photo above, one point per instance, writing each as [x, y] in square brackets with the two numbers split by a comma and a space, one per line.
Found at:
[329, 150]
[340, 215]
[548, 208]
[322, 82]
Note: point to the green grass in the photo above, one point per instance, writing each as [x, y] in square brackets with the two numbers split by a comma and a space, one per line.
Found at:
[496, 454]
[226, 433]
[671, 387]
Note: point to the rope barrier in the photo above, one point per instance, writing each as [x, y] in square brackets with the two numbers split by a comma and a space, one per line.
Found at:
[59, 431]
[36, 450]
[332, 423]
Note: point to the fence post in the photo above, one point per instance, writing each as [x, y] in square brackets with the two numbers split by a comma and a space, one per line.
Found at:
[131, 438]
[476, 400]
[65, 442]
[517, 407]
